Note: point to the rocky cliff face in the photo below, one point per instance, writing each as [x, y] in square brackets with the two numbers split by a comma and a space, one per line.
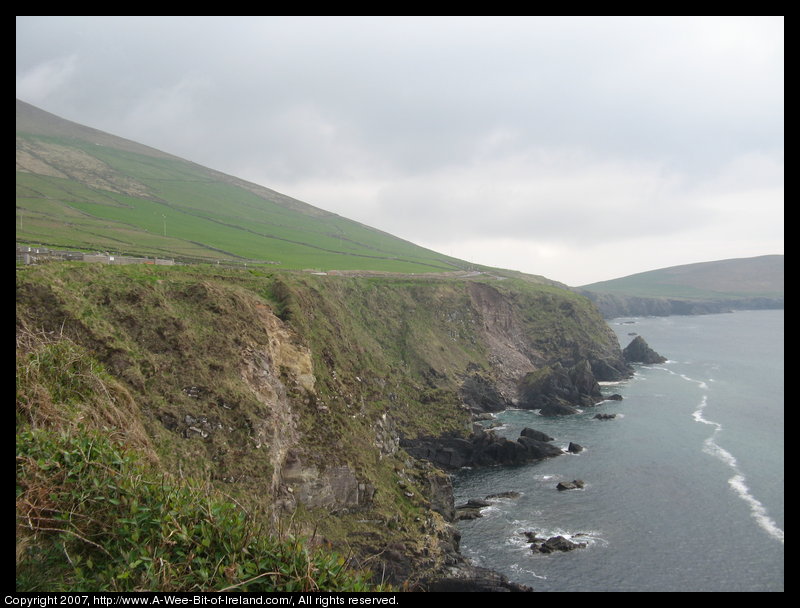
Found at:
[615, 305]
[320, 398]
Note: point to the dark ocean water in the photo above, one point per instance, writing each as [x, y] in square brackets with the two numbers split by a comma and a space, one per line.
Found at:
[684, 488]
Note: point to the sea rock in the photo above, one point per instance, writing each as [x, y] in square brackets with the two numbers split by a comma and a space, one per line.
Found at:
[472, 508]
[509, 494]
[638, 351]
[574, 448]
[482, 448]
[539, 450]
[465, 513]
[605, 416]
[534, 434]
[556, 543]
[533, 537]
[558, 409]
[570, 485]
[614, 397]
[466, 577]
[475, 503]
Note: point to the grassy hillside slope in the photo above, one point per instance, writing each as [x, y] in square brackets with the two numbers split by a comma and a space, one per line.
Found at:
[742, 277]
[81, 188]
[705, 287]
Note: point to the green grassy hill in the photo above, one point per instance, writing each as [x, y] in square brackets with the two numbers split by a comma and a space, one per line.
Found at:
[706, 287]
[743, 277]
[80, 188]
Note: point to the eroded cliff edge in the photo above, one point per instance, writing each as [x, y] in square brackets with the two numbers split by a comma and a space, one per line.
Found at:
[304, 396]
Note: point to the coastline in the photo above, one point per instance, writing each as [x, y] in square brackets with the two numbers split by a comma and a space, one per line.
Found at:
[659, 484]
[488, 450]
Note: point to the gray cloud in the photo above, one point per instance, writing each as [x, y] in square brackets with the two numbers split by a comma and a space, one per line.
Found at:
[542, 137]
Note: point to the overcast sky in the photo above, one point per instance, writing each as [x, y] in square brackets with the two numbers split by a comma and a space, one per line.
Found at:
[582, 149]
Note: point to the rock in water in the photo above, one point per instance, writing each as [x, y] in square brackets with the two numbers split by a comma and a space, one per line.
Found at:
[509, 494]
[534, 434]
[605, 416]
[638, 351]
[556, 543]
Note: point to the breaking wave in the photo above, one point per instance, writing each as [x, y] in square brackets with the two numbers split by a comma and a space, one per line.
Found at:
[738, 481]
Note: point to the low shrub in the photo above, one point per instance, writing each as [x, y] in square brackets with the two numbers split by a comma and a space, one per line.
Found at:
[93, 516]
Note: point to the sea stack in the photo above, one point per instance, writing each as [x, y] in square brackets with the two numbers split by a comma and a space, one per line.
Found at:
[638, 351]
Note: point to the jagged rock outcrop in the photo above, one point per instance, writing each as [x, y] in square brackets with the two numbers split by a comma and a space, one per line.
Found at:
[336, 487]
[574, 448]
[638, 351]
[473, 578]
[575, 484]
[605, 416]
[534, 434]
[554, 543]
[482, 395]
[471, 509]
[439, 492]
[557, 390]
[558, 409]
[507, 494]
[482, 448]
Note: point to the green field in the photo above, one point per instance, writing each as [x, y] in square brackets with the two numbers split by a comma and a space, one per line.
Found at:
[74, 192]
[761, 276]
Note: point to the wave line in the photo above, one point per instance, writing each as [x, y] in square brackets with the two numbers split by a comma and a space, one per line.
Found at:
[738, 481]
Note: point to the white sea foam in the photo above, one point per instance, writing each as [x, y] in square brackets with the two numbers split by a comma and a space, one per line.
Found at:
[520, 570]
[518, 538]
[738, 481]
[758, 511]
[697, 415]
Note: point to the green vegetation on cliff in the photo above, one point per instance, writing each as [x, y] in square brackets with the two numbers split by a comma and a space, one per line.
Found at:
[111, 495]
[283, 394]
[93, 517]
